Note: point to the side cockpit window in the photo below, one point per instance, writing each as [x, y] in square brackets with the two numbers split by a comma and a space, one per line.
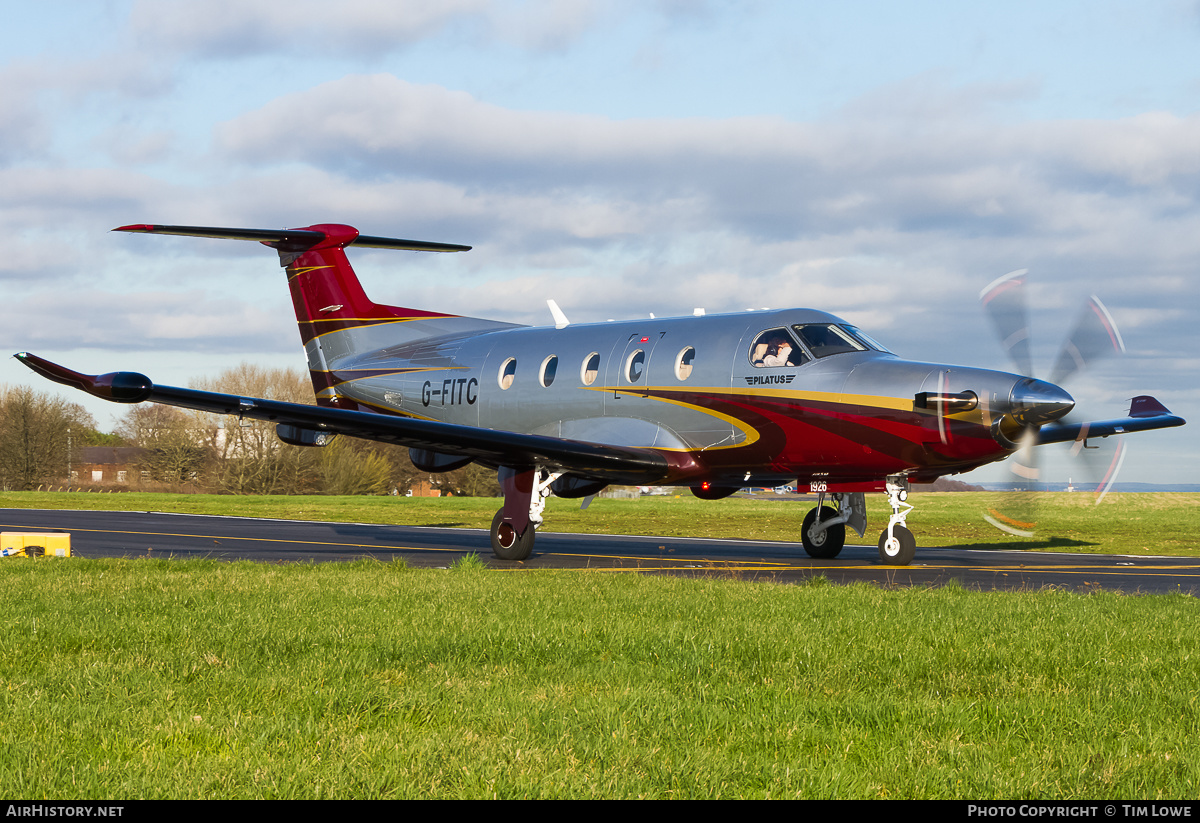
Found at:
[775, 348]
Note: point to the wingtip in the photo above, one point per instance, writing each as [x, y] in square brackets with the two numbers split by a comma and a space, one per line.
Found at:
[1146, 406]
[119, 387]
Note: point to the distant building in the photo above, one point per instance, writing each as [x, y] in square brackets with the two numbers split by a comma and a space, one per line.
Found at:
[108, 464]
[425, 488]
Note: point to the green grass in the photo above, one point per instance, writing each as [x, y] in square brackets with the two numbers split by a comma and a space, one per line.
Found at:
[198, 679]
[1137, 524]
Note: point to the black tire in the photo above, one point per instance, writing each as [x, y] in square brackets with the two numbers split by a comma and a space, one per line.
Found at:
[828, 543]
[902, 554]
[519, 546]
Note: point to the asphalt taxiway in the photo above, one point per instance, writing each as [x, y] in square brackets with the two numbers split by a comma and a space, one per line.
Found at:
[156, 534]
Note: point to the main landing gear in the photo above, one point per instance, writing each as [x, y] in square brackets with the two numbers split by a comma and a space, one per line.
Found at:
[824, 529]
[507, 544]
[513, 527]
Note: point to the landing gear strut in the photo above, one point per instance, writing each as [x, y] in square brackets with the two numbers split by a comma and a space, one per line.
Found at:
[897, 546]
[513, 527]
[827, 542]
[824, 530]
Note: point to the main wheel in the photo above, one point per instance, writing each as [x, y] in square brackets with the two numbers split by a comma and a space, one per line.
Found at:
[506, 543]
[900, 550]
[828, 543]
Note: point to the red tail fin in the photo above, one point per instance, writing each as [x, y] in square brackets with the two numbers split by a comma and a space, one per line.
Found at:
[329, 300]
[325, 291]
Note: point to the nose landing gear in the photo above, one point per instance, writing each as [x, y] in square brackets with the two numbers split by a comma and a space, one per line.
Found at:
[897, 546]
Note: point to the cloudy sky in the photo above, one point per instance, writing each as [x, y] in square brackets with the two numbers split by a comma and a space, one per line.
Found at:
[880, 160]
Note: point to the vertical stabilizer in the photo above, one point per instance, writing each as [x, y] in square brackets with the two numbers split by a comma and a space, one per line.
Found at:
[338, 322]
[325, 291]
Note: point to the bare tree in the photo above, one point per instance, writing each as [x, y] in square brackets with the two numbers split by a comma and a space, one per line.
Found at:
[348, 467]
[474, 480]
[34, 436]
[251, 458]
[178, 445]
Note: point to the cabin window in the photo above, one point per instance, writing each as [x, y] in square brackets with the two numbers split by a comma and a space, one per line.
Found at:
[683, 363]
[824, 339]
[775, 348]
[591, 368]
[508, 372]
[549, 367]
[634, 366]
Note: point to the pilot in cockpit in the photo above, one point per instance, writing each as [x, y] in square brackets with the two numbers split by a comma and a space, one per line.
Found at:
[771, 350]
[779, 352]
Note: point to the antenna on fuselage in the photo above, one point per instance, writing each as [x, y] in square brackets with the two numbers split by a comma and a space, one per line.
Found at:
[560, 319]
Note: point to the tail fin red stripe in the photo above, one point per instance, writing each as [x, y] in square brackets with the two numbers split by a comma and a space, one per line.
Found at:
[325, 290]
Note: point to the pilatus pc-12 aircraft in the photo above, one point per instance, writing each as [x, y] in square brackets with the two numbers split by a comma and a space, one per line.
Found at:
[714, 403]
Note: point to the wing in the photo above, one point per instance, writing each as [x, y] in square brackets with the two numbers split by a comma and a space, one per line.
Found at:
[612, 464]
[1145, 413]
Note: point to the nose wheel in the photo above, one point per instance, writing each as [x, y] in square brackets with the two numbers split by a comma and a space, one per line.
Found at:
[898, 548]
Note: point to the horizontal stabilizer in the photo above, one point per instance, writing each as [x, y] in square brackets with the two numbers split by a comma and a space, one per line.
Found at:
[293, 238]
[612, 464]
[1145, 414]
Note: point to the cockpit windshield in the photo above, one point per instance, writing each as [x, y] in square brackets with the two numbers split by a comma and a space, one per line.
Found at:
[824, 339]
[862, 337]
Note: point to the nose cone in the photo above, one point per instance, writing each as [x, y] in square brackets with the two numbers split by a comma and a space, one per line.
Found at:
[1036, 402]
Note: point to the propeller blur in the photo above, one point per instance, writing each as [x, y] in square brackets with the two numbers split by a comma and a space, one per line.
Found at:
[1094, 336]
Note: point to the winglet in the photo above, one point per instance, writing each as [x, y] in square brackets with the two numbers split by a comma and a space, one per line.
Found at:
[119, 387]
[1146, 406]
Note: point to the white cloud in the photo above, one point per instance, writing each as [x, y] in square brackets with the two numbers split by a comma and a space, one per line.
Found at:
[192, 319]
[24, 129]
[240, 28]
[131, 146]
[368, 125]
[546, 25]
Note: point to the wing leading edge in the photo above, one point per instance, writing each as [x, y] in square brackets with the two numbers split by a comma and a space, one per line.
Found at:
[612, 464]
[1145, 413]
